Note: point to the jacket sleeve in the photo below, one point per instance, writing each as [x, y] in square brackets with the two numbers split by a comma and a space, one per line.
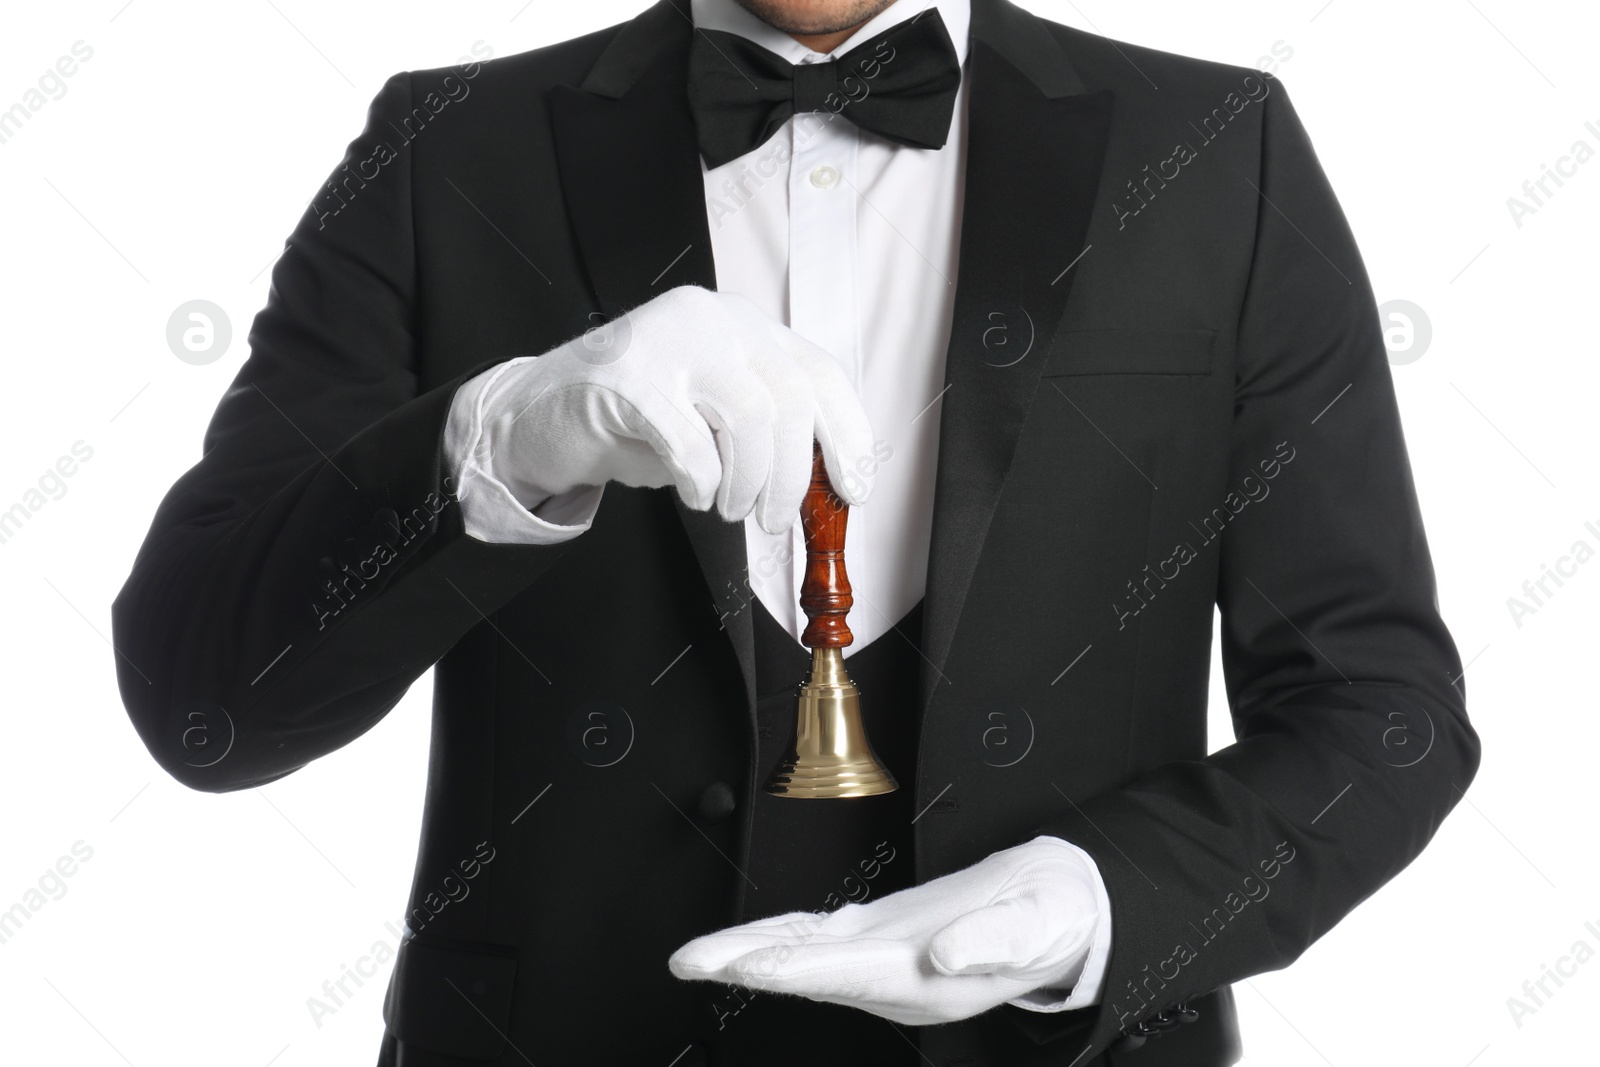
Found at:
[313, 563]
[1352, 739]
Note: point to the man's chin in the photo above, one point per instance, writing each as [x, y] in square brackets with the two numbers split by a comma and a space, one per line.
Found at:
[804, 20]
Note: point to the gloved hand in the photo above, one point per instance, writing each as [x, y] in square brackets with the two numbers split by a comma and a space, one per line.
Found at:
[695, 389]
[1021, 920]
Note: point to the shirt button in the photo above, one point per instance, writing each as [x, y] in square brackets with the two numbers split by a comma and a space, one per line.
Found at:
[824, 177]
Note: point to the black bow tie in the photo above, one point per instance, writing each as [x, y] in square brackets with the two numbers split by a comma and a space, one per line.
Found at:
[900, 84]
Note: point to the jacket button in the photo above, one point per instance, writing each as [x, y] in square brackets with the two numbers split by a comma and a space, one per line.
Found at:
[716, 802]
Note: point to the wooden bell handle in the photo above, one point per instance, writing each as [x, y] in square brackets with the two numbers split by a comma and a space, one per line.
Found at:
[825, 589]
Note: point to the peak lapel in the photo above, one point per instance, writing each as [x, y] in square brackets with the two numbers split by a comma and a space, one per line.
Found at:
[630, 168]
[631, 178]
[1036, 143]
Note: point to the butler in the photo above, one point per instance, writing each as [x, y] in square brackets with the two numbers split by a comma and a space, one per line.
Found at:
[535, 406]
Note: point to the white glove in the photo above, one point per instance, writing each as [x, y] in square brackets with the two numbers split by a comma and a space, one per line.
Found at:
[1007, 930]
[695, 389]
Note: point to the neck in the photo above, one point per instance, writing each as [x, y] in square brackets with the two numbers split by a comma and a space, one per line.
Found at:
[818, 13]
[827, 42]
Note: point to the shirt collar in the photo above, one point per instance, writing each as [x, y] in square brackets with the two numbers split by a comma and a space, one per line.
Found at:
[729, 16]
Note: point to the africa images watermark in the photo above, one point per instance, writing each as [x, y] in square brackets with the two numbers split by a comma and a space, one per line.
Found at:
[354, 175]
[1212, 926]
[202, 730]
[1251, 490]
[856, 890]
[1566, 568]
[736, 191]
[51, 485]
[51, 85]
[454, 888]
[1566, 967]
[782, 557]
[51, 885]
[1566, 167]
[380, 546]
[1142, 191]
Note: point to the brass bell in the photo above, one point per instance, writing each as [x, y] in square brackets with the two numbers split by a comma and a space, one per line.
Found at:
[830, 756]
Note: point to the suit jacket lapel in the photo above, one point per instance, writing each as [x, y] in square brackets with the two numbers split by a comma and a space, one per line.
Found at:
[1036, 143]
[630, 168]
[630, 174]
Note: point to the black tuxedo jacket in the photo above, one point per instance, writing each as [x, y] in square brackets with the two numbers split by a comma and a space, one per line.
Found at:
[1167, 391]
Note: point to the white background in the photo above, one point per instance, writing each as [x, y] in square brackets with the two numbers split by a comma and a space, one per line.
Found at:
[183, 152]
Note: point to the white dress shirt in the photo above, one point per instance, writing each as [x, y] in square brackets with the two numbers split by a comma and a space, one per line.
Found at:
[852, 242]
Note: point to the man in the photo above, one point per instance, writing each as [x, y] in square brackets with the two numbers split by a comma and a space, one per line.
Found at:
[1081, 332]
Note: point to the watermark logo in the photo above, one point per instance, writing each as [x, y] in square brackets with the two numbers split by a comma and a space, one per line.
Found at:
[603, 341]
[600, 733]
[199, 332]
[1407, 331]
[1007, 335]
[1005, 735]
[1404, 741]
[205, 733]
